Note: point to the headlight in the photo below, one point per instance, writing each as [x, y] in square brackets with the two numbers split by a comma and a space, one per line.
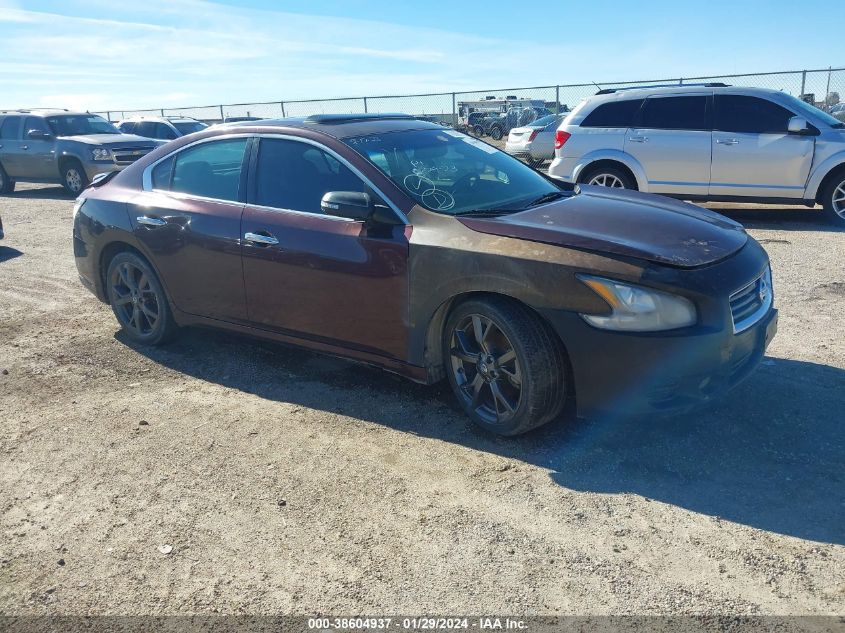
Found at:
[101, 153]
[638, 309]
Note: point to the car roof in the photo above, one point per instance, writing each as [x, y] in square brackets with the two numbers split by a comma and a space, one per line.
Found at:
[339, 126]
[647, 91]
[44, 112]
[158, 119]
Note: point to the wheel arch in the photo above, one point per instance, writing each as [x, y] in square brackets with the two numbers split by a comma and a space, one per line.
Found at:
[612, 157]
[834, 172]
[109, 251]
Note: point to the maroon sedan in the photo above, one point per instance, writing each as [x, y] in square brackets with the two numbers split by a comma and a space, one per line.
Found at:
[410, 246]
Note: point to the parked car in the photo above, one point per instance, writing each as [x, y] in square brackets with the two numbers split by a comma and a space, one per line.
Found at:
[838, 112]
[498, 126]
[58, 146]
[417, 248]
[238, 119]
[535, 143]
[706, 142]
[163, 128]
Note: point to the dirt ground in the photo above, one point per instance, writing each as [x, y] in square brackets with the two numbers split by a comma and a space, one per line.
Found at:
[223, 474]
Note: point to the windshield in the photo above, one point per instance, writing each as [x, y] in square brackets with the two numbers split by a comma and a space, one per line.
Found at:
[453, 173]
[80, 124]
[812, 111]
[189, 127]
[545, 120]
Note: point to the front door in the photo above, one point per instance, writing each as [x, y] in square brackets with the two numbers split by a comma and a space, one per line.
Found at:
[189, 219]
[319, 276]
[38, 155]
[753, 155]
[671, 140]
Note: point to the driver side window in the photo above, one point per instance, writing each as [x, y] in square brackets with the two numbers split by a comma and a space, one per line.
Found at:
[294, 175]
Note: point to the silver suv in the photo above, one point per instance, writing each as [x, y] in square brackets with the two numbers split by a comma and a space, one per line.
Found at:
[57, 146]
[706, 142]
[163, 128]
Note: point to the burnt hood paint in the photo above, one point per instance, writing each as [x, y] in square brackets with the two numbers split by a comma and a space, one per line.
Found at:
[623, 222]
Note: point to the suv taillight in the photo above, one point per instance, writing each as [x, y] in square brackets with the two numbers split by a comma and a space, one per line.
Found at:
[560, 138]
[534, 134]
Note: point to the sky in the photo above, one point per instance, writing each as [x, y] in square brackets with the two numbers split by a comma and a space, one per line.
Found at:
[107, 55]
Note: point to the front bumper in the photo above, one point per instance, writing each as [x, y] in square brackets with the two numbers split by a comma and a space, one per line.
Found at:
[93, 168]
[637, 373]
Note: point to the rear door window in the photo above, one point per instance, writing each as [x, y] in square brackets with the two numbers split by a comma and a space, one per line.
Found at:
[146, 128]
[613, 114]
[737, 113]
[210, 170]
[127, 127]
[9, 128]
[164, 131]
[675, 113]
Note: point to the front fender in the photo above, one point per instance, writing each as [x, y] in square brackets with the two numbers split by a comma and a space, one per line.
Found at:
[615, 155]
[818, 174]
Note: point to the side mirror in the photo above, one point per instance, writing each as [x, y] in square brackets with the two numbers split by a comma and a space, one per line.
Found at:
[38, 135]
[348, 204]
[357, 206]
[798, 125]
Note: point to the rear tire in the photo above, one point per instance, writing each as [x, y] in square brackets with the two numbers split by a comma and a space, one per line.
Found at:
[74, 178]
[496, 133]
[833, 199]
[504, 365]
[138, 300]
[478, 131]
[7, 185]
[610, 176]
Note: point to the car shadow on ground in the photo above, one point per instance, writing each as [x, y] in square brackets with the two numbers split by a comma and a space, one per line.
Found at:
[40, 193]
[779, 218]
[769, 455]
[7, 253]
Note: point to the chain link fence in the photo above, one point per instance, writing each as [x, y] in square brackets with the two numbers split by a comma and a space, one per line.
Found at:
[823, 87]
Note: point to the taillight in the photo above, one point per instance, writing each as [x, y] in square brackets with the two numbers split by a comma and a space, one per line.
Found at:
[560, 138]
[534, 133]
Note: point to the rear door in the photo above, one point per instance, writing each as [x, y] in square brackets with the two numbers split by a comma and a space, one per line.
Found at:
[189, 219]
[753, 155]
[319, 276]
[37, 156]
[671, 140]
[10, 142]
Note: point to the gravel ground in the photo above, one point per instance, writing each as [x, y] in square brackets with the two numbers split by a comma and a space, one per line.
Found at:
[222, 474]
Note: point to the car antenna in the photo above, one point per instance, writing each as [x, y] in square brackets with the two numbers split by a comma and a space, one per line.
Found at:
[597, 86]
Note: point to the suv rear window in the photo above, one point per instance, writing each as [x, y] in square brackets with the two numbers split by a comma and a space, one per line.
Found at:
[614, 114]
[675, 113]
[752, 115]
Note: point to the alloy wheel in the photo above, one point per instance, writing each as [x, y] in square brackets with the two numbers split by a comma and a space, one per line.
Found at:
[73, 179]
[838, 200]
[485, 368]
[136, 304]
[607, 180]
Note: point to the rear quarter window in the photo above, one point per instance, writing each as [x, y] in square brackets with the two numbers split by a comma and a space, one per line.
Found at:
[613, 114]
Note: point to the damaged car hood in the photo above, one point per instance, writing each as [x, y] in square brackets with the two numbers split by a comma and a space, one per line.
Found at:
[623, 222]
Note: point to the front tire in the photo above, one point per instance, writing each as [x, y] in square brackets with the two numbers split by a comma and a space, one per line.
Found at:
[504, 365]
[138, 300]
[74, 178]
[609, 176]
[7, 185]
[833, 200]
[496, 133]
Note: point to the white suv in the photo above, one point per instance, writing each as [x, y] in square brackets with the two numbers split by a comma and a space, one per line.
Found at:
[163, 128]
[706, 142]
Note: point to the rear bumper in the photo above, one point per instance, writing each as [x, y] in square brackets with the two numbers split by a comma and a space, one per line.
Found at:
[632, 373]
[563, 168]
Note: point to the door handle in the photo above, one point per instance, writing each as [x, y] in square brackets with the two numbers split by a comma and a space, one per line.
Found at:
[727, 141]
[260, 239]
[638, 139]
[148, 221]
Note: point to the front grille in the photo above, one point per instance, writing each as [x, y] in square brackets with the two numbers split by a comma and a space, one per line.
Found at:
[127, 155]
[751, 302]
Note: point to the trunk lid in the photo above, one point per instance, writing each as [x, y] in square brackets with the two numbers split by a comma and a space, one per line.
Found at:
[622, 222]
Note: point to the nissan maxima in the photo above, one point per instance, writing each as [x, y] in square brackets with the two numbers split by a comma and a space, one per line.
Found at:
[407, 245]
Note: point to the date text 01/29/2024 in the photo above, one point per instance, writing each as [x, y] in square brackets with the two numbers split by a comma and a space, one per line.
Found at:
[415, 624]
